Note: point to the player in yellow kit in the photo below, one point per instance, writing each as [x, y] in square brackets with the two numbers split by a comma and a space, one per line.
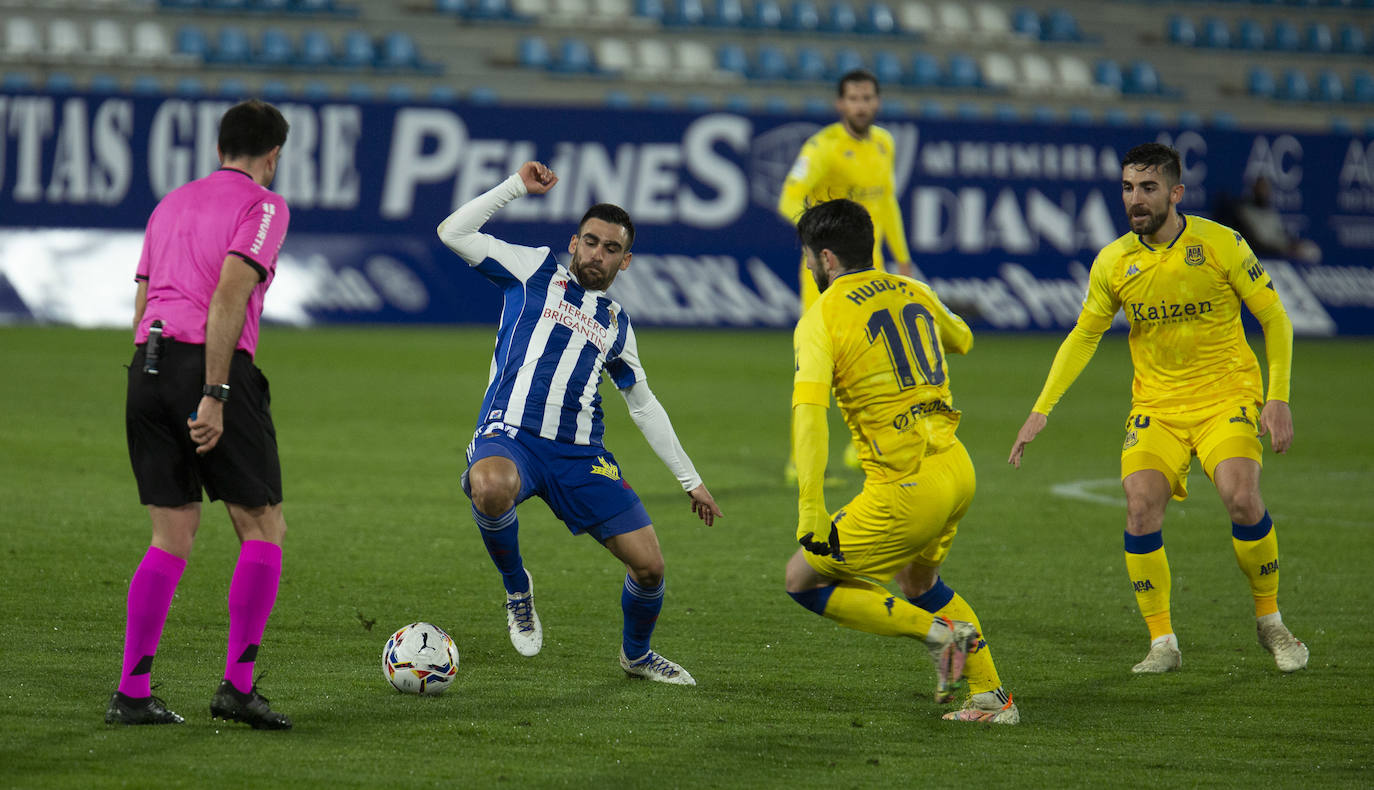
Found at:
[1198, 390]
[853, 159]
[879, 341]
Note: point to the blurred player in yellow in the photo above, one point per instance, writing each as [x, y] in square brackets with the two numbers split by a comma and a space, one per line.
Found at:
[879, 341]
[853, 159]
[1197, 390]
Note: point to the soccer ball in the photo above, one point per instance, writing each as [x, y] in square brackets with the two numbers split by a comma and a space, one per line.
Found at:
[420, 659]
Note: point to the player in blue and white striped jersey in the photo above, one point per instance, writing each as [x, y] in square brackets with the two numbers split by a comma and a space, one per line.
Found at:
[540, 428]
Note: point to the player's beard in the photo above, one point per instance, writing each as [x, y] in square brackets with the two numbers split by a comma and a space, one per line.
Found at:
[822, 280]
[589, 276]
[1153, 222]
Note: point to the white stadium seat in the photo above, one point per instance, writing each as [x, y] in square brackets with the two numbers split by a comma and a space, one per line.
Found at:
[22, 39]
[999, 71]
[614, 55]
[1037, 75]
[954, 20]
[914, 17]
[107, 39]
[151, 42]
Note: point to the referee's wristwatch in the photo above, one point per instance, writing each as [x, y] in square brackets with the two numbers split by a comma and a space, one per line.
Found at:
[219, 392]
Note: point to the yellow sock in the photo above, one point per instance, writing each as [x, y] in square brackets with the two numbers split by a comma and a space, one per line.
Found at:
[1257, 554]
[865, 606]
[979, 669]
[1148, 567]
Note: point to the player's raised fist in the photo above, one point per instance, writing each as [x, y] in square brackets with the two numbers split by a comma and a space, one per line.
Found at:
[538, 178]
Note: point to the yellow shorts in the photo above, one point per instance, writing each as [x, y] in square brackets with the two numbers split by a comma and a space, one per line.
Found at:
[1168, 442]
[890, 525]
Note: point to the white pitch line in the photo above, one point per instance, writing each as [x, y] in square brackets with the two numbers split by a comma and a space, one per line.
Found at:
[1079, 489]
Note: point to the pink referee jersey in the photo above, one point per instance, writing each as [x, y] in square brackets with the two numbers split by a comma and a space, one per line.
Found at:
[188, 236]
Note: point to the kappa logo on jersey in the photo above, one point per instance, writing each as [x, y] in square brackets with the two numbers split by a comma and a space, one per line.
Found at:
[605, 469]
[1193, 256]
[1132, 270]
[1245, 418]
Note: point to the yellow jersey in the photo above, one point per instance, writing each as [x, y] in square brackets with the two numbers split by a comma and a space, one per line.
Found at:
[833, 164]
[1183, 302]
[879, 341]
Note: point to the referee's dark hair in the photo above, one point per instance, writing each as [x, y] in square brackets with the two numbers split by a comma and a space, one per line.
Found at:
[251, 128]
[856, 75]
[1157, 155]
[609, 212]
[841, 226]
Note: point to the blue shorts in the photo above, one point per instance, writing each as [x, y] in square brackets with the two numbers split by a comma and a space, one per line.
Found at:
[580, 483]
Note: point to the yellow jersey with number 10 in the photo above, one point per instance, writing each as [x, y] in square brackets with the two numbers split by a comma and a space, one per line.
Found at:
[1183, 303]
[879, 340]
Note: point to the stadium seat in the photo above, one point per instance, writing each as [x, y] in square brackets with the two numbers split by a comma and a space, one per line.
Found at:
[1141, 79]
[1189, 119]
[1222, 119]
[232, 46]
[483, 95]
[442, 94]
[804, 17]
[767, 15]
[653, 59]
[962, 72]
[652, 10]
[999, 71]
[1216, 34]
[968, 111]
[954, 20]
[189, 86]
[192, 43]
[316, 91]
[931, 109]
[1249, 35]
[878, 19]
[275, 48]
[1080, 116]
[809, 65]
[894, 108]
[926, 71]
[614, 56]
[842, 18]
[356, 51]
[1259, 82]
[1043, 114]
[399, 51]
[887, 67]
[1352, 40]
[1318, 38]
[22, 39]
[915, 17]
[731, 59]
[657, 100]
[1116, 116]
[769, 63]
[1181, 31]
[103, 83]
[146, 85]
[272, 6]
[847, 60]
[315, 7]
[1036, 72]
[149, 42]
[694, 61]
[107, 40]
[991, 21]
[1293, 86]
[1152, 118]
[316, 50]
[1283, 36]
[227, 6]
[400, 93]
[776, 105]
[232, 88]
[572, 56]
[1074, 74]
[533, 52]
[1108, 74]
[1005, 113]
[65, 40]
[1361, 86]
[359, 91]
[684, 13]
[489, 9]
[727, 14]
[815, 105]
[737, 104]
[1060, 25]
[610, 10]
[1329, 87]
[1341, 126]
[450, 7]
[1026, 23]
[60, 82]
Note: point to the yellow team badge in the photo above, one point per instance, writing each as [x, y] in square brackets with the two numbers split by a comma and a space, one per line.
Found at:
[1193, 256]
[1131, 440]
[601, 467]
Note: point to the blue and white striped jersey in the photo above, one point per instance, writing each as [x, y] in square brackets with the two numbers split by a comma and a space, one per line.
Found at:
[554, 341]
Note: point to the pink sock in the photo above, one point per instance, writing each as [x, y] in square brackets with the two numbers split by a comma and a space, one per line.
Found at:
[150, 596]
[252, 594]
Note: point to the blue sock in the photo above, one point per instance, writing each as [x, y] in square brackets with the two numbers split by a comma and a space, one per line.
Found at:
[641, 607]
[936, 598]
[502, 538]
[816, 599]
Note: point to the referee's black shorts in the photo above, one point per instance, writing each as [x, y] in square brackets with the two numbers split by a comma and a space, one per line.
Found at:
[243, 469]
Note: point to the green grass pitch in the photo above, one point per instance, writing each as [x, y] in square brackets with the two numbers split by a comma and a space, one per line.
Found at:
[372, 425]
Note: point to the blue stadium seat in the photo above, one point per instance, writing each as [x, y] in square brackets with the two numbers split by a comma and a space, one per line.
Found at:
[1189, 119]
[962, 72]
[1259, 82]
[232, 46]
[1341, 125]
[894, 108]
[698, 103]
[931, 109]
[533, 53]
[274, 89]
[189, 86]
[1284, 36]
[732, 59]
[483, 95]
[1361, 86]
[1108, 74]
[968, 111]
[1080, 116]
[847, 60]
[809, 65]
[313, 6]
[275, 48]
[399, 51]
[737, 104]
[192, 41]
[1005, 113]
[316, 91]
[684, 13]
[1152, 118]
[767, 15]
[1181, 30]
[1352, 40]
[442, 94]
[232, 88]
[650, 9]
[359, 91]
[227, 6]
[926, 71]
[489, 9]
[146, 85]
[1249, 35]
[878, 19]
[1293, 86]
[1060, 25]
[103, 83]
[657, 100]
[1329, 87]
[769, 64]
[1042, 114]
[1026, 22]
[1141, 79]
[573, 56]
[316, 50]
[887, 67]
[804, 17]
[1319, 38]
[1222, 119]
[842, 18]
[1116, 116]
[815, 105]
[1216, 34]
[60, 82]
[356, 50]
[776, 105]
[271, 6]
[728, 14]
[399, 93]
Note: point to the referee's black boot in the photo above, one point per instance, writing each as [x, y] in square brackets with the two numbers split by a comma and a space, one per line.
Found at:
[251, 708]
[124, 709]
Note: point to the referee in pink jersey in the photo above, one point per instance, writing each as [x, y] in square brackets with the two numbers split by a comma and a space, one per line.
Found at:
[198, 413]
